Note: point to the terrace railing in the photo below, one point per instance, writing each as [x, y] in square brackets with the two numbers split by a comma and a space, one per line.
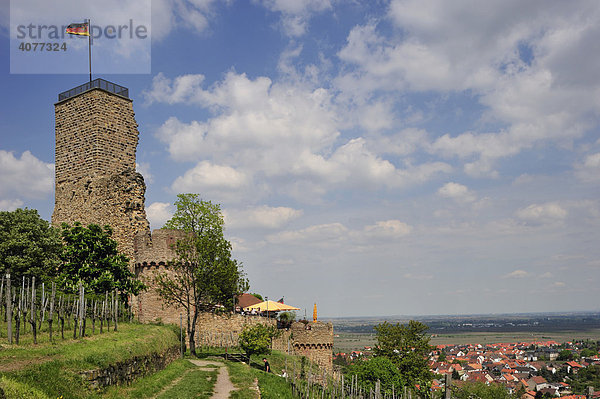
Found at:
[95, 84]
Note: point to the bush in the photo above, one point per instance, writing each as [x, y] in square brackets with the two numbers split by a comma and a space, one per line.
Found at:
[256, 339]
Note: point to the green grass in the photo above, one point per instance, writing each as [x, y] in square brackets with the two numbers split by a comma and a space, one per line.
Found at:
[194, 384]
[242, 376]
[150, 385]
[16, 390]
[53, 368]
[94, 351]
[271, 385]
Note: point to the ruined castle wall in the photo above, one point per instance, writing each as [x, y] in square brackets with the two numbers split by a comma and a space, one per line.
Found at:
[95, 176]
[284, 342]
[315, 341]
[224, 330]
[154, 251]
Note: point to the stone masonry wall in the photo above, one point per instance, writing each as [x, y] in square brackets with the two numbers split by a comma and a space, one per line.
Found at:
[153, 253]
[96, 134]
[127, 371]
[95, 177]
[156, 248]
[224, 330]
[315, 341]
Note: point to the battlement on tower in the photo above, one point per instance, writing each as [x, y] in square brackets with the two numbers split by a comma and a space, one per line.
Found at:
[315, 341]
[156, 247]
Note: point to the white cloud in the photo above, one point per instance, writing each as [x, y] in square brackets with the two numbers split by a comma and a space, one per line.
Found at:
[295, 14]
[282, 136]
[144, 169]
[517, 274]
[26, 176]
[257, 121]
[167, 15]
[337, 234]
[388, 229]
[542, 213]
[173, 91]
[319, 235]
[10, 204]
[589, 169]
[521, 61]
[159, 213]
[260, 216]
[212, 180]
[457, 192]
[405, 142]
[558, 284]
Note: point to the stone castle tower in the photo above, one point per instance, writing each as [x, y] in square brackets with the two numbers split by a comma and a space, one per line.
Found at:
[315, 341]
[95, 174]
[96, 182]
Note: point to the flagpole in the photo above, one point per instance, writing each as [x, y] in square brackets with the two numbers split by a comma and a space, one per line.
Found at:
[90, 46]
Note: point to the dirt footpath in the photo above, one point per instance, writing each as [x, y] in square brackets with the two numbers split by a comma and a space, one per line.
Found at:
[223, 386]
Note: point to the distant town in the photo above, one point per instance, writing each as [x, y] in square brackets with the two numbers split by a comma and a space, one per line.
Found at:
[561, 365]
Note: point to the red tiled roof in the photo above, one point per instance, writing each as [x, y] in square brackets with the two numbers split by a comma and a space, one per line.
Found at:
[538, 379]
[574, 364]
[246, 300]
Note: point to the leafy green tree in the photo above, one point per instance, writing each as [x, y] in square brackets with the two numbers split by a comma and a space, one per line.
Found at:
[455, 375]
[407, 346]
[287, 318]
[519, 392]
[339, 360]
[256, 339]
[90, 255]
[565, 355]
[442, 356]
[29, 246]
[481, 391]
[204, 275]
[587, 352]
[588, 376]
[379, 368]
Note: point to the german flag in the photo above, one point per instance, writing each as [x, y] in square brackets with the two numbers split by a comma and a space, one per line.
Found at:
[78, 29]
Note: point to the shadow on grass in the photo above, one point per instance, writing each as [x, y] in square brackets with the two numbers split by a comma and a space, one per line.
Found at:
[258, 366]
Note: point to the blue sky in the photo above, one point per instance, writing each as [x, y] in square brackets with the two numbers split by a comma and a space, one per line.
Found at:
[374, 157]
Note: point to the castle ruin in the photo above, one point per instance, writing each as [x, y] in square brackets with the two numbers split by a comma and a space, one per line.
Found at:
[95, 175]
[96, 182]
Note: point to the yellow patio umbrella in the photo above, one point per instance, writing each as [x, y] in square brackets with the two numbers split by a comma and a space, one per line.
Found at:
[271, 306]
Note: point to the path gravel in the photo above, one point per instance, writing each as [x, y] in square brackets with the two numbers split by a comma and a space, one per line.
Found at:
[223, 386]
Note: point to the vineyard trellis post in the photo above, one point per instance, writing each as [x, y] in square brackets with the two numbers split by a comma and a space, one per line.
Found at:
[2, 314]
[115, 307]
[61, 316]
[51, 310]
[32, 316]
[9, 308]
[23, 307]
[74, 314]
[107, 311]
